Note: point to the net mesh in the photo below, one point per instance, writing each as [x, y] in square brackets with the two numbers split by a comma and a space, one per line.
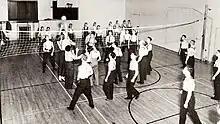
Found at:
[25, 41]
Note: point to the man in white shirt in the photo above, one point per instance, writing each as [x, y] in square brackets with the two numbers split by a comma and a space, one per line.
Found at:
[71, 54]
[71, 32]
[99, 35]
[118, 54]
[131, 78]
[183, 49]
[48, 53]
[142, 60]
[95, 57]
[84, 73]
[48, 33]
[110, 77]
[90, 39]
[109, 40]
[62, 45]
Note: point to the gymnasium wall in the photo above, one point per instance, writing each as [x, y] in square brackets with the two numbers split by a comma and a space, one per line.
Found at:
[101, 11]
[4, 10]
[160, 12]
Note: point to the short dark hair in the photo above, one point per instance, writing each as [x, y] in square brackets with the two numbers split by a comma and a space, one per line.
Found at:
[67, 48]
[116, 44]
[193, 41]
[149, 38]
[93, 32]
[191, 70]
[113, 55]
[183, 35]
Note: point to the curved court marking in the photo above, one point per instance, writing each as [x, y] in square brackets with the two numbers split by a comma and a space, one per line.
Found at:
[129, 105]
[147, 85]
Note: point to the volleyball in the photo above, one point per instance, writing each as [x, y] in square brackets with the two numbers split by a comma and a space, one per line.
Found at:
[63, 18]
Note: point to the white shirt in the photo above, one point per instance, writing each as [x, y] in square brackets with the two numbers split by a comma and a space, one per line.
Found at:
[117, 51]
[134, 38]
[94, 57]
[87, 38]
[191, 51]
[110, 39]
[84, 71]
[133, 65]
[70, 30]
[41, 34]
[184, 44]
[63, 44]
[149, 47]
[47, 46]
[99, 32]
[189, 84]
[110, 28]
[93, 28]
[69, 56]
[127, 37]
[112, 65]
[49, 34]
[217, 63]
[143, 51]
[122, 35]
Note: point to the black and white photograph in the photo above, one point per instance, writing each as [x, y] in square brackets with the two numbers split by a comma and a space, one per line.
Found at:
[110, 61]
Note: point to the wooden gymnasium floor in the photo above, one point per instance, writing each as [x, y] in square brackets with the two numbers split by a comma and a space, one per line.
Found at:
[30, 97]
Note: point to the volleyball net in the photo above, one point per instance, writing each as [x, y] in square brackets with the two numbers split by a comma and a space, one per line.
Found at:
[15, 43]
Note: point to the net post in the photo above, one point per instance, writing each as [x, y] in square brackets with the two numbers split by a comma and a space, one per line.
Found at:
[204, 32]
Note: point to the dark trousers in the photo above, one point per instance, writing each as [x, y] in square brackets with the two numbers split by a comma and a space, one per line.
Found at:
[69, 75]
[118, 69]
[130, 85]
[124, 46]
[85, 88]
[133, 48]
[61, 69]
[216, 84]
[75, 71]
[107, 52]
[191, 63]
[71, 36]
[183, 56]
[217, 89]
[191, 109]
[47, 56]
[148, 62]
[142, 69]
[108, 86]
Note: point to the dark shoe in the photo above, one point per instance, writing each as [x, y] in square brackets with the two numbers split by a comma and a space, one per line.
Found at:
[183, 67]
[92, 106]
[128, 98]
[43, 71]
[137, 96]
[121, 80]
[140, 82]
[107, 99]
[214, 98]
[116, 82]
[69, 108]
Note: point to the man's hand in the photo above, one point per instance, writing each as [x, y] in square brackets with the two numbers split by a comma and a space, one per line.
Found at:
[213, 78]
[185, 106]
